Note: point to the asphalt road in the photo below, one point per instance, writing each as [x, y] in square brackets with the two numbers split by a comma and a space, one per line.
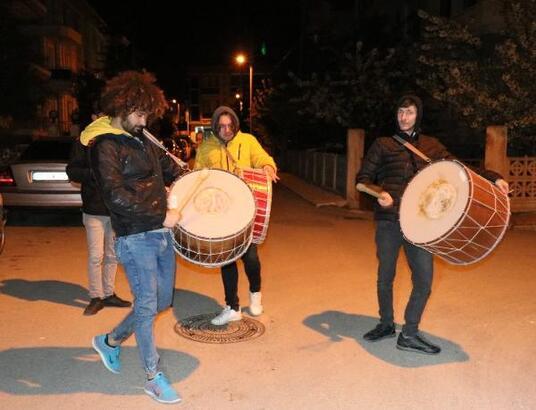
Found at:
[319, 297]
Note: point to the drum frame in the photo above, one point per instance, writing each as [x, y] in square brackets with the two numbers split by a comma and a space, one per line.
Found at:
[213, 252]
[469, 240]
[261, 187]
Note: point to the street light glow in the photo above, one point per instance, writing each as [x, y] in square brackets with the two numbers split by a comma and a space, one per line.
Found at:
[240, 58]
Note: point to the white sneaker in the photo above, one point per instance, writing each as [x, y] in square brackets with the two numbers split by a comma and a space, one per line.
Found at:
[255, 306]
[227, 315]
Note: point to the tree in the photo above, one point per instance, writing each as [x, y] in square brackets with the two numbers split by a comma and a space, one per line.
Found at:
[487, 78]
[277, 120]
[361, 90]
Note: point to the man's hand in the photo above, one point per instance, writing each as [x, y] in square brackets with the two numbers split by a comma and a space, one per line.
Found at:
[385, 199]
[503, 186]
[172, 218]
[271, 173]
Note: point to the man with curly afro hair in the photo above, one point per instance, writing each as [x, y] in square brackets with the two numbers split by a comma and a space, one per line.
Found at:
[132, 174]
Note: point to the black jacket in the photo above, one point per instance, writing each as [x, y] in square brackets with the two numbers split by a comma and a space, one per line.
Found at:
[132, 174]
[78, 171]
[390, 165]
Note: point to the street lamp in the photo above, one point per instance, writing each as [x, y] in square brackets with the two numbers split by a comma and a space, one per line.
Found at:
[241, 59]
[174, 101]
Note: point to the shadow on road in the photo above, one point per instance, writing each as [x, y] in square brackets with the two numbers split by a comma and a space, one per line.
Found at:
[44, 217]
[61, 370]
[49, 290]
[339, 325]
[187, 304]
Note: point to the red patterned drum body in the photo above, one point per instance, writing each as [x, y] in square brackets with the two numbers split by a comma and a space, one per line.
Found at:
[261, 187]
[454, 213]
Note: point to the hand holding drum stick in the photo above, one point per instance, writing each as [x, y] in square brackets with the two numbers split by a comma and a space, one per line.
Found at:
[203, 174]
[384, 198]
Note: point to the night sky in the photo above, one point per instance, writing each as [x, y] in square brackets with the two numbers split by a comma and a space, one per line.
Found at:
[201, 32]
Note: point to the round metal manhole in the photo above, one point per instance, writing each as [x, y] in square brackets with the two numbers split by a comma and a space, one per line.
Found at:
[200, 329]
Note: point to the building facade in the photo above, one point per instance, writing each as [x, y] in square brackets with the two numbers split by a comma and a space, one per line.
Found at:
[67, 37]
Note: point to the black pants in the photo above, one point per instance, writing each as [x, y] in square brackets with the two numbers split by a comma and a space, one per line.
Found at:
[389, 240]
[229, 275]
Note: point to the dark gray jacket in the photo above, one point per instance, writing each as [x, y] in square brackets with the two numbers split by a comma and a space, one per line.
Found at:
[78, 171]
[390, 165]
[132, 174]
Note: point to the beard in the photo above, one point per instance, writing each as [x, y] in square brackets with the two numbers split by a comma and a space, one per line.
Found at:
[135, 130]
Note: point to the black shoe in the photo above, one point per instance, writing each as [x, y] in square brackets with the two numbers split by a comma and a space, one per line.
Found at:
[416, 344]
[95, 304]
[380, 332]
[115, 301]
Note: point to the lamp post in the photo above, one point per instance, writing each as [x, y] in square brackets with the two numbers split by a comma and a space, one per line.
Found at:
[174, 101]
[240, 60]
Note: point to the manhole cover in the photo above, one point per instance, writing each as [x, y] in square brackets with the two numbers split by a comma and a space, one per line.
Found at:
[200, 329]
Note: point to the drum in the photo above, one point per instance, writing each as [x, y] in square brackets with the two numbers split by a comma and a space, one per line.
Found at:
[217, 217]
[261, 186]
[453, 213]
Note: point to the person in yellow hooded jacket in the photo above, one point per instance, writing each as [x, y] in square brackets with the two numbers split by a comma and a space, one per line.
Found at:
[230, 149]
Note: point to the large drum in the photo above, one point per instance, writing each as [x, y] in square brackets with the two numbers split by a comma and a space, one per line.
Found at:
[217, 218]
[261, 186]
[453, 212]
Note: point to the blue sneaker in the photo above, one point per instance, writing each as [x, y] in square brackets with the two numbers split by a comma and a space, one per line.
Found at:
[109, 355]
[161, 390]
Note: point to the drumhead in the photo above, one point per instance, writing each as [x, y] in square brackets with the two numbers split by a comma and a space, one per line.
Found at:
[434, 201]
[221, 206]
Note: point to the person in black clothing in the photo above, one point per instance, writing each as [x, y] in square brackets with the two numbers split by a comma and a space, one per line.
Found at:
[132, 175]
[102, 264]
[390, 165]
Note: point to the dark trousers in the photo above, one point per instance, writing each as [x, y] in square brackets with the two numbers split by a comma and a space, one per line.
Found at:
[229, 275]
[389, 239]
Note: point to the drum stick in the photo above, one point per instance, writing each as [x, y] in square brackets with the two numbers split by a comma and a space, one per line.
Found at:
[363, 188]
[155, 141]
[203, 174]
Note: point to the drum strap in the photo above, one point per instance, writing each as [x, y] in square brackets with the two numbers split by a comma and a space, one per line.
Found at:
[231, 158]
[412, 148]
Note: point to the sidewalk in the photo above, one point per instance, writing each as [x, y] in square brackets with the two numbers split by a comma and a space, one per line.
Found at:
[320, 197]
[524, 221]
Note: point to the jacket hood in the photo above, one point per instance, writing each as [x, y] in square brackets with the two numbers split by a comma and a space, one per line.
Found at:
[418, 103]
[216, 116]
[100, 126]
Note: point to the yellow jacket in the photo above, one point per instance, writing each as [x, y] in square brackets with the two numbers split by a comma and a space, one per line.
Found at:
[244, 148]
[100, 126]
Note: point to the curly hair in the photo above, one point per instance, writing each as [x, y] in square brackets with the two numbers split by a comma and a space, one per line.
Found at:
[131, 91]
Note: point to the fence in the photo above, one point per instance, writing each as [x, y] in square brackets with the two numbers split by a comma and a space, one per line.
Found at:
[324, 169]
[522, 179]
[329, 171]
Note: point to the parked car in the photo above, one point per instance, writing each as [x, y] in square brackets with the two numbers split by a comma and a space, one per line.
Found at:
[38, 177]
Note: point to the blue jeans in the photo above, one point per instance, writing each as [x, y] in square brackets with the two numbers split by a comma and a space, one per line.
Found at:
[149, 262]
[389, 239]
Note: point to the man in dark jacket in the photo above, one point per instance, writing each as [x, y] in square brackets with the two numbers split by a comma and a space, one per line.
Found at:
[102, 264]
[390, 165]
[132, 175]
